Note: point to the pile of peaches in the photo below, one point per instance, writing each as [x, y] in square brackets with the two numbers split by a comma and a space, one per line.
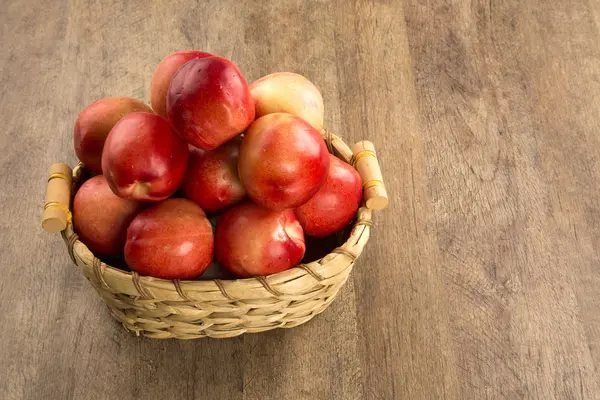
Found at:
[249, 157]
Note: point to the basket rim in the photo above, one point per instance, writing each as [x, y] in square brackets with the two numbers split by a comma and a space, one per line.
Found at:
[319, 270]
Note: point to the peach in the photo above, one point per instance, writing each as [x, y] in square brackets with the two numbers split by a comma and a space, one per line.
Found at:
[283, 161]
[170, 240]
[94, 124]
[291, 93]
[143, 159]
[164, 73]
[335, 204]
[212, 179]
[209, 102]
[101, 218]
[251, 240]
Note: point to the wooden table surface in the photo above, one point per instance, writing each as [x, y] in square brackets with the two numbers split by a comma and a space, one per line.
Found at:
[482, 278]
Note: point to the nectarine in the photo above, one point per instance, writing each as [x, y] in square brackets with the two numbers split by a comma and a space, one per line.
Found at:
[209, 102]
[251, 240]
[164, 73]
[283, 161]
[101, 218]
[212, 179]
[143, 159]
[170, 240]
[291, 93]
[334, 205]
[94, 124]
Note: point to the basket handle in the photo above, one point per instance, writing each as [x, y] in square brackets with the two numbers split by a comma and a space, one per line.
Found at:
[58, 197]
[364, 159]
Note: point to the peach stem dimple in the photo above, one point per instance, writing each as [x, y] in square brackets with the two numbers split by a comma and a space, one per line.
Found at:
[294, 232]
[140, 189]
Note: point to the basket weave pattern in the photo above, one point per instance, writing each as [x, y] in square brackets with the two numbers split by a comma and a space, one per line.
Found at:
[216, 308]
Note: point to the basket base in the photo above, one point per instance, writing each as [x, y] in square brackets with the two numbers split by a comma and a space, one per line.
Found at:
[167, 328]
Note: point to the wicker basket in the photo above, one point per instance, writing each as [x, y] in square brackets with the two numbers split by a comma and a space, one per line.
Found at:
[216, 308]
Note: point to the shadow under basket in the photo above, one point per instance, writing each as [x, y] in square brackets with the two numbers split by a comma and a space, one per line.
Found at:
[159, 308]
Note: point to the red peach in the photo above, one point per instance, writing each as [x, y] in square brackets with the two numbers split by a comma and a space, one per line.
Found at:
[291, 93]
[163, 74]
[101, 218]
[94, 124]
[209, 102]
[143, 159]
[334, 205]
[283, 161]
[251, 240]
[170, 240]
[212, 179]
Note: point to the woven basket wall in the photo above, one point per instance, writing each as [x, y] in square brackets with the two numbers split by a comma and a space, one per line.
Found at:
[161, 308]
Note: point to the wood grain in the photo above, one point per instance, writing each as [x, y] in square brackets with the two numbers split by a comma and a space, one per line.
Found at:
[505, 92]
[482, 279]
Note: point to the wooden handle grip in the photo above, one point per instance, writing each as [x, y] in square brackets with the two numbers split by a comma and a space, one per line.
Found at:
[364, 159]
[58, 197]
